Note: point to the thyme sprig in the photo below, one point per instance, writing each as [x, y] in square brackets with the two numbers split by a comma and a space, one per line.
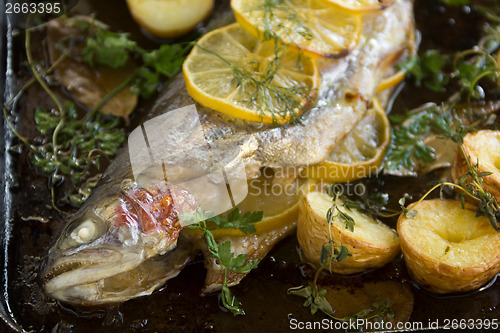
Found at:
[335, 211]
[470, 185]
[331, 252]
[374, 204]
[79, 146]
[469, 70]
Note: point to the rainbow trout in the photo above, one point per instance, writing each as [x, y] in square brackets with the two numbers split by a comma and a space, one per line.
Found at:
[124, 241]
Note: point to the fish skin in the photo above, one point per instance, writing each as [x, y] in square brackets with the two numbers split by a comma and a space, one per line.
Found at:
[343, 98]
[344, 95]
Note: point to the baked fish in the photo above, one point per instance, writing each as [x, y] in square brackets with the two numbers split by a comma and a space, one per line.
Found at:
[124, 241]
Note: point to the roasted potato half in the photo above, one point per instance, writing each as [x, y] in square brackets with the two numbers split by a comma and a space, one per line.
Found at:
[481, 147]
[448, 249]
[372, 244]
[169, 18]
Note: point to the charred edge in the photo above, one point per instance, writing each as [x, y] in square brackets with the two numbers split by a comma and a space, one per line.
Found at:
[339, 55]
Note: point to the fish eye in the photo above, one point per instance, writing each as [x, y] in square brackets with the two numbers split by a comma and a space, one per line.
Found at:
[82, 233]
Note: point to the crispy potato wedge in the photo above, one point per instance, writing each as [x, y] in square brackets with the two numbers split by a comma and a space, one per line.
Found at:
[448, 249]
[372, 244]
[481, 147]
[169, 18]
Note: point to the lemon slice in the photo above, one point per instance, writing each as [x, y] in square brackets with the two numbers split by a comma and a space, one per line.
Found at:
[312, 25]
[360, 153]
[228, 71]
[277, 197]
[361, 5]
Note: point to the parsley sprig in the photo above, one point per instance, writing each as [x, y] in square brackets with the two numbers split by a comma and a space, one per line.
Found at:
[222, 252]
[115, 50]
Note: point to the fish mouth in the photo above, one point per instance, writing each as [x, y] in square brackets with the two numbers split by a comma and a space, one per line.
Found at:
[81, 278]
[111, 275]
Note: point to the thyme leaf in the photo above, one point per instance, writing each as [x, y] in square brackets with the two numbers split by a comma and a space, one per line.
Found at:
[80, 146]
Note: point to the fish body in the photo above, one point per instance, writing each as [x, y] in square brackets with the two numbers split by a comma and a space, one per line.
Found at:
[129, 227]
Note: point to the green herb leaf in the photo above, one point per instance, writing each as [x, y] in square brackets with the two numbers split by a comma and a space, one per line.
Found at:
[407, 138]
[237, 264]
[146, 82]
[166, 60]
[45, 120]
[330, 253]
[234, 220]
[315, 299]
[230, 302]
[80, 145]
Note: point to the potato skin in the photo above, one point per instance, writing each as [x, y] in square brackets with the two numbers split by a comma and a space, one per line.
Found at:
[440, 277]
[312, 233]
[169, 18]
[482, 146]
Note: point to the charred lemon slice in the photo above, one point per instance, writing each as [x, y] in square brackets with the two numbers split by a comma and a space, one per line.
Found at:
[232, 72]
[361, 5]
[278, 197]
[391, 81]
[360, 153]
[314, 26]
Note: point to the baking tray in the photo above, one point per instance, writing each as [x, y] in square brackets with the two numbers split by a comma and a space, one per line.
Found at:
[178, 305]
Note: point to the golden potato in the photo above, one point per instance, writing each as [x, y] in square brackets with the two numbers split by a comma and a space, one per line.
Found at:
[169, 18]
[447, 249]
[483, 147]
[372, 244]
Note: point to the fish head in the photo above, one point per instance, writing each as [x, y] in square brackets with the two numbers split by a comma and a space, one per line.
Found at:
[107, 247]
